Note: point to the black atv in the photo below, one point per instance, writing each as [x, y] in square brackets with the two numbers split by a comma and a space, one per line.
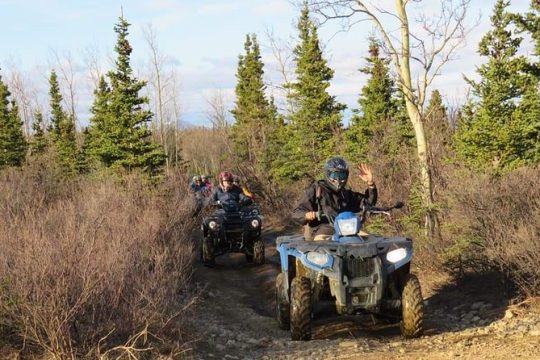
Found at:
[232, 228]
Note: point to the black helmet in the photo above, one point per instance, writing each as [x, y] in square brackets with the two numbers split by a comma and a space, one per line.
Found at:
[336, 172]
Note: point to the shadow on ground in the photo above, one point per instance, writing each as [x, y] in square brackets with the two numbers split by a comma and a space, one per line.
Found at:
[449, 302]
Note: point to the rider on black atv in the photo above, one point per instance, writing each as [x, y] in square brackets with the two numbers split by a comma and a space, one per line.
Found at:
[330, 197]
[227, 191]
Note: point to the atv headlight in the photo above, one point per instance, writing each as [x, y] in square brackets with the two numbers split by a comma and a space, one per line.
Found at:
[255, 223]
[347, 225]
[322, 260]
[213, 225]
[396, 255]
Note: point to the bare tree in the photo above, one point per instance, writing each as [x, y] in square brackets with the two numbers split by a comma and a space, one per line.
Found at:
[176, 114]
[431, 41]
[24, 93]
[161, 81]
[66, 67]
[156, 60]
[283, 54]
[217, 112]
[91, 60]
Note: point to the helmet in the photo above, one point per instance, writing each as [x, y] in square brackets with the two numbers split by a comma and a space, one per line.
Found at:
[203, 177]
[196, 178]
[226, 176]
[336, 172]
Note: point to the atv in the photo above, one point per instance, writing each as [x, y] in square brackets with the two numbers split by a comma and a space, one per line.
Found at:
[232, 228]
[359, 273]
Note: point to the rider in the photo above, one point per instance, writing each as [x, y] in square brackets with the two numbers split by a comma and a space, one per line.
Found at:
[331, 197]
[226, 190]
[245, 190]
[206, 182]
[197, 184]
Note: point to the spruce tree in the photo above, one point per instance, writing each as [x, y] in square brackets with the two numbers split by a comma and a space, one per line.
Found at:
[103, 141]
[63, 130]
[529, 108]
[376, 105]
[58, 115]
[12, 141]
[119, 126]
[313, 128]
[254, 116]
[492, 136]
[438, 134]
[85, 162]
[437, 123]
[38, 144]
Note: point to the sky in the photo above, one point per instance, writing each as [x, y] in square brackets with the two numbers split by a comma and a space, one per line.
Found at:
[202, 40]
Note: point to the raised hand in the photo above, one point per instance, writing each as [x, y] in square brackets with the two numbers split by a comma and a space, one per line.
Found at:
[365, 173]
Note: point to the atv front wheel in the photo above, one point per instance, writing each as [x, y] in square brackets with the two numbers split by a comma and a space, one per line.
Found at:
[208, 256]
[301, 309]
[412, 308]
[283, 307]
[258, 252]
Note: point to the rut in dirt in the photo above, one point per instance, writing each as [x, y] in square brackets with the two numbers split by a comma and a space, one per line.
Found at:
[250, 284]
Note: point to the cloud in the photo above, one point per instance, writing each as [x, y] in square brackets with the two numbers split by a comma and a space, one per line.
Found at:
[219, 7]
[163, 4]
[169, 19]
[273, 7]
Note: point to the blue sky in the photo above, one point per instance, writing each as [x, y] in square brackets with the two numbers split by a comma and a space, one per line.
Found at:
[202, 40]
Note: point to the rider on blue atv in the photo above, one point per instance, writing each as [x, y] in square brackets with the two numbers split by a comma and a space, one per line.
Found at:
[330, 197]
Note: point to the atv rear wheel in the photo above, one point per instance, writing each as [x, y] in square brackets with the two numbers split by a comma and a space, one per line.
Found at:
[301, 309]
[412, 308]
[283, 306]
[208, 256]
[258, 252]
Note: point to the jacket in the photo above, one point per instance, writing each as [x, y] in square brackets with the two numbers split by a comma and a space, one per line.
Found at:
[332, 202]
[234, 194]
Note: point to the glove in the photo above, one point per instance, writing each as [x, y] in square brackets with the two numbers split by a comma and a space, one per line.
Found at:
[311, 215]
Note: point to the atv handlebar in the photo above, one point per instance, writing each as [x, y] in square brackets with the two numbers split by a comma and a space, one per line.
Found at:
[223, 205]
[383, 210]
[366, 209]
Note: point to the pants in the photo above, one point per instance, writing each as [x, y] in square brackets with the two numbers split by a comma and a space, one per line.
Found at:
[318, 233]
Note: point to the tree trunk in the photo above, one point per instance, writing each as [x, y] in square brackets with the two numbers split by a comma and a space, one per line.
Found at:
[415, 115]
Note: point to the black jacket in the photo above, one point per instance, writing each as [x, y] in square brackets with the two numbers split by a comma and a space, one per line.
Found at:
[234, 194]
[332, 202]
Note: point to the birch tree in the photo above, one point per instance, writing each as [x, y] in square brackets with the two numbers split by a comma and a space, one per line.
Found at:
[424, 46]
[157, 62]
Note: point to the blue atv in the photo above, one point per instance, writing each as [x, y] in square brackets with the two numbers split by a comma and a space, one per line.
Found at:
[360, 273]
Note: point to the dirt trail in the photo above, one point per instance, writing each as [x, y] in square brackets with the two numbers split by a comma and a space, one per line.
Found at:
[463, 321]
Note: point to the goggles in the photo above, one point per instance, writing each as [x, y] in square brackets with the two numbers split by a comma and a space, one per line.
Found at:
[338, 175]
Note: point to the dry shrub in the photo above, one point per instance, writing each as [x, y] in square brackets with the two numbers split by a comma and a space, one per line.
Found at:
[86, 267]
[205, 149]
[496, 222]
